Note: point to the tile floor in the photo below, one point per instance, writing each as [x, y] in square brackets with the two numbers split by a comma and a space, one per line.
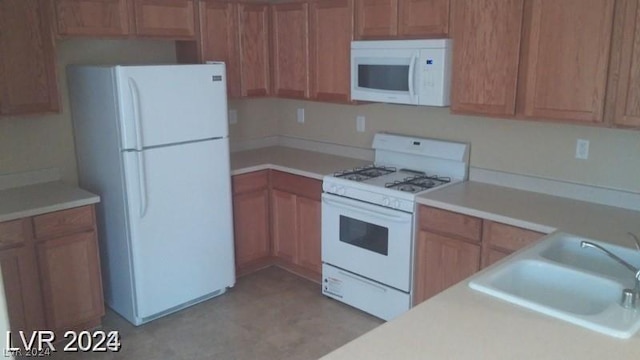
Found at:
[271, 314]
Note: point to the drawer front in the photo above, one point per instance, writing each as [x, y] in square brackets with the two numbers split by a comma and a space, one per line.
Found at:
[509, 237]
[64, 222]
[299, 185]
[13, 233]
[450, 223]
[250, 182]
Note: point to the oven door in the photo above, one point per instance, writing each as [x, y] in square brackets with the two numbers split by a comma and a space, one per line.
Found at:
[369, 240]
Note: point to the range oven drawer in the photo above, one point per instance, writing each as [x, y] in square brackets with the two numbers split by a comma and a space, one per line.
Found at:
[369, 296]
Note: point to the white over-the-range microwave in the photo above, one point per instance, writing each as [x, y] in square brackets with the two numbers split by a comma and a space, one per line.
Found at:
[415, 72]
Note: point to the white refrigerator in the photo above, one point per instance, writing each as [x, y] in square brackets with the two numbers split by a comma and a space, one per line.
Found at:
[152, 141]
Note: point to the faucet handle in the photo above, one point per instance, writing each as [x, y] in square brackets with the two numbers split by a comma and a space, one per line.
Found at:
[635, 238]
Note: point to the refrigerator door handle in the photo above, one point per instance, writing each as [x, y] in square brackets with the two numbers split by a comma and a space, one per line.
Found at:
[135, 97]
[142, 183]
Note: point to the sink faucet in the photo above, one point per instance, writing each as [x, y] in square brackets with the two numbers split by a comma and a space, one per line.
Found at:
[630, 297]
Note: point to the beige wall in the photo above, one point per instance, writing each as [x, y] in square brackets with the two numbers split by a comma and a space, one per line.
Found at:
[525, 147]
[37, 142]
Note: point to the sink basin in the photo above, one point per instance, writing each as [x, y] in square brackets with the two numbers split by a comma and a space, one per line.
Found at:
[558, 278]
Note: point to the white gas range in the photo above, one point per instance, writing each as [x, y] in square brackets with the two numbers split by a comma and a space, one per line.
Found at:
[368, 223]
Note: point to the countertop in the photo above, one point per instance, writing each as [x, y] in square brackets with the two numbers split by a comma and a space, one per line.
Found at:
[300, 162]
[42, 198]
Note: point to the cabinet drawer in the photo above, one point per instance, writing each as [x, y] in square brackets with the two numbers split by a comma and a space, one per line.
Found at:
[508, 237]
[64, 222]
[13, 233]
[450, 223]
[250, 182]
[295, 184]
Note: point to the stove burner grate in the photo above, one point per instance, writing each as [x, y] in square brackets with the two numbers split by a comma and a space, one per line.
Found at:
[365, 173]
[418, 183]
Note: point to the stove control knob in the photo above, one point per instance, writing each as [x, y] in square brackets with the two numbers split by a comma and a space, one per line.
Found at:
[395, 203]
[386, 201]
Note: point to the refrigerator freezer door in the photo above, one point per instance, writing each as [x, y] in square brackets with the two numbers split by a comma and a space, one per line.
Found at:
[170, 104]
[180, 219]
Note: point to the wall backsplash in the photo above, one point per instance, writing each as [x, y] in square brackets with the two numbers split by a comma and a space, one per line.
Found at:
[45, 141]
[523, 147]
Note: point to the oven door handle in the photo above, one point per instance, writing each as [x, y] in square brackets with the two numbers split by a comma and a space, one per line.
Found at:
[380, 215]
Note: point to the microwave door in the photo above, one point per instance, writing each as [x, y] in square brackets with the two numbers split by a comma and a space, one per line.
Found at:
[381, 78]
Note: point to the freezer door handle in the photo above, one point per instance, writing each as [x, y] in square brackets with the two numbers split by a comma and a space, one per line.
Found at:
[142, 183]
[135, 97]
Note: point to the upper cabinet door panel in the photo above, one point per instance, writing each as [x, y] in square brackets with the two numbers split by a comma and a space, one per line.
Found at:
[165, 18]
[627, 111]
[376, 18]
[486, 50]
[331, 32]
[290, 49]
[92, 17]
[254, 49]
[566, 48]
[28, 81]
[219, 31]
[423, 18]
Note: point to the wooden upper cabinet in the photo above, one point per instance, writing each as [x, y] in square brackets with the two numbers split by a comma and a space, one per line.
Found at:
[28, 81]
[254, 49]
[219, 37]
[290, 49]
[92, 17]
[331, 32]
[376, 18]
[565, 59]
[423, 18]
[174, 19]
[486, 54]
[627, 105]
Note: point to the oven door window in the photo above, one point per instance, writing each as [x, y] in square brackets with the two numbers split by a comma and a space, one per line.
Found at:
[364, 235]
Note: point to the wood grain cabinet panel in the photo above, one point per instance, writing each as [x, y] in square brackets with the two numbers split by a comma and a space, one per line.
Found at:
[92, 17]
[627, 105]
[565, 61]
[254, 49]
[174, 19]
[28, 81]
[309, 230]
[450, 223]
[331, 32]
[376, 19]
[64, 222]
[500, 240]
[71, 283]
[290, 49]
[219, 37]
[486, 54]
[284, 229]
[423, 18]
[13, 233]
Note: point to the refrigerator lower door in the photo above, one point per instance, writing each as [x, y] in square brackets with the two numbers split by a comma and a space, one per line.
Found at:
[180, 219]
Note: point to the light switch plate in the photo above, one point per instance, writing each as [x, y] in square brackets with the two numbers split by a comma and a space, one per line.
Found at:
[233, 116]
[582, 149]
[300, 116]
[360, 123]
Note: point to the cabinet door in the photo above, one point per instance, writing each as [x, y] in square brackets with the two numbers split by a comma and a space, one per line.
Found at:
[71, 283]
[566, 62]
[627, 107]
[92, 17]
[27, 65]
[486, 48]
[309, 234]
[376, 19]
[251, 226]
[284, 225]
[254, 49]
[331, 32]
[165, 18]
[290, 49]
[500, 240]
[423, 18]
[442, 262]
[219, 32]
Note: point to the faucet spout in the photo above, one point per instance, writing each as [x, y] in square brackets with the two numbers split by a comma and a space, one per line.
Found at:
[588, 244]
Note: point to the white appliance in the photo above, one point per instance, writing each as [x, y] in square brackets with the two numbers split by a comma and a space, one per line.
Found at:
[152, 141]
[368, 223]
[415, 72]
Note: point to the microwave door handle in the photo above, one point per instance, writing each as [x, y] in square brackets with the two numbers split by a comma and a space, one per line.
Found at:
[412, 66]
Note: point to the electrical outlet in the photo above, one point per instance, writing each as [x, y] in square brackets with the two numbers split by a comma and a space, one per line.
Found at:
[582, 149]
[301, 116]
[233, 116]
[360, 123]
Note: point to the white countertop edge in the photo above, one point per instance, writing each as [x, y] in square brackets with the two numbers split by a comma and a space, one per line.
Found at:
[487, 215]
[269, 166]
[51, 208]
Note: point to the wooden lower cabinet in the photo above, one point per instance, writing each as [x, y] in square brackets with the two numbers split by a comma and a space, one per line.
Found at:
[309, 230]
[501, 240]
[284, 222]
